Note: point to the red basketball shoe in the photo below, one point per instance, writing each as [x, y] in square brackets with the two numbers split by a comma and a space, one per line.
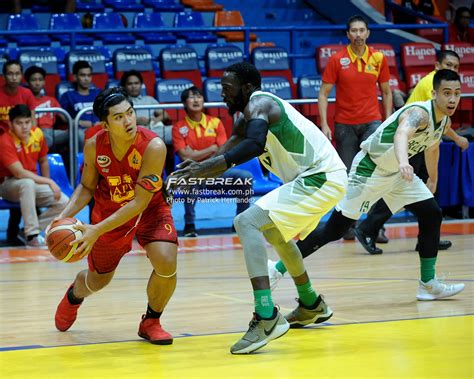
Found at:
[151, 330]
[66, 313]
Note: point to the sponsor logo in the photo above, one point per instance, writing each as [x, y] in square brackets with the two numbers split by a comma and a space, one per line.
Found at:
[345, 61]
[103, 161]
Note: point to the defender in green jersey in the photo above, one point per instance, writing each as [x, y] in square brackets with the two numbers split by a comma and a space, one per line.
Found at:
[381, 170]
[314, 178]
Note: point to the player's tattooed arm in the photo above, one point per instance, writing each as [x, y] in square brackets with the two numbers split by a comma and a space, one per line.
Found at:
[152, 183]
[413, 119]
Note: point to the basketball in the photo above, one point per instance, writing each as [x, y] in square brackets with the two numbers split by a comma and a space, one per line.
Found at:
[60, 235]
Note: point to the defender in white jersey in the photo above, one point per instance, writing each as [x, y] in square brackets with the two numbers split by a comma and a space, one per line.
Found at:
[314, 177]
[381, 170]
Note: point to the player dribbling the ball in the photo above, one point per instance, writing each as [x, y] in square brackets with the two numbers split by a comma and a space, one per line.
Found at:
[122, 170]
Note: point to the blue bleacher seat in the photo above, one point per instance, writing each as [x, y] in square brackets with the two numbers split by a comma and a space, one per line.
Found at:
[3, 41]
[89, 6]
[212, 89]
[111, 20]
[80, 161]
[180, 62]
[124, 5]
[164, 5]
[152, 20]
[261, 185]
[57, 172]
[219, 56]
[61, 21]
[309, 86]
[277, 85]
[26, 21]
[273, 61]
[169, 90]
[192, 20]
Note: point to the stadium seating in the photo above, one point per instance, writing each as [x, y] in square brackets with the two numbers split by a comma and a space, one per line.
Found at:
[169, 91]
[212, 93]
[417, 59]
[273, 61]
[323, 53]
[163, 5]
[192, 20]
[124, 5]
[89, 6]
[152, 20]
[62, 21]
[218, 57]
[111, 20]
[261, 185]
[97, 61]
[180, 62]
[203, 5]
[231, 18]
[26, 21]
[139, 59]
[466, 53]
[57, 172]
[48, 61]
[278, 85]
[433, 34]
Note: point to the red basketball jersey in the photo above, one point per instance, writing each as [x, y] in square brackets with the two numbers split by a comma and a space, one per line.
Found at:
[117, 180]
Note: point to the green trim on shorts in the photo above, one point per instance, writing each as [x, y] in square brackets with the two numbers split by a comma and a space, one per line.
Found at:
[316, 180]
[366, 167]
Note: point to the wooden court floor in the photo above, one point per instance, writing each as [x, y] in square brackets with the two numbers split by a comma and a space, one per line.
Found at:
[378, 330]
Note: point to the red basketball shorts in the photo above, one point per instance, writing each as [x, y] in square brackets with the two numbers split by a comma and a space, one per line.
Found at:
[156, 224]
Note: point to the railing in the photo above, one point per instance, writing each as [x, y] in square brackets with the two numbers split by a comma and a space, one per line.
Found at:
[73, 142]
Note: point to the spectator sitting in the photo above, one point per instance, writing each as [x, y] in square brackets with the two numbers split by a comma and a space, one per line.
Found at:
[459, 30]
[132, 82]
[12, 93]
[198, 137]
[22, 149]
[82, 96]
[35, 78]
[155, 120]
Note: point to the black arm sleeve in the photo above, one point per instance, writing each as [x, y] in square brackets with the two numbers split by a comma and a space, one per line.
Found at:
[252, 146]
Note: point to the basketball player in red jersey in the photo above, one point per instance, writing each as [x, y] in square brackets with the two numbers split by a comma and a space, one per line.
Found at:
[122, 170]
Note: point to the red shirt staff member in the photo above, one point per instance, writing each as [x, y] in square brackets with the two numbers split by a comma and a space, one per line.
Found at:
[355, 71]
[122, 170]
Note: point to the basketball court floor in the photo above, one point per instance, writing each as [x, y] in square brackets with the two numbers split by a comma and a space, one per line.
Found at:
[378, 330]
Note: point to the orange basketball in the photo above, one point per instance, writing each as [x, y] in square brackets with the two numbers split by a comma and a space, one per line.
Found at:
[60, 235]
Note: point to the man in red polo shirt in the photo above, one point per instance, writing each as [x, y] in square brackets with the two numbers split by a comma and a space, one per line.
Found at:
[23, 147]
[198, 137]
[355, 71]
[11, 93]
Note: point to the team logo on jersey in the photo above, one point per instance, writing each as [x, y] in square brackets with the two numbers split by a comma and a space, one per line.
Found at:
[135, 159]
[184, 130]
[103, 161]
[345, 61]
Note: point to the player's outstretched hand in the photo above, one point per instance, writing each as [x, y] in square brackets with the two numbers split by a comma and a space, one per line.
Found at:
[90, 234]
[406, 170]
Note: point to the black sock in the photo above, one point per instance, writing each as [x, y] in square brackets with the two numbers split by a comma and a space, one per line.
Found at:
[29, 238]
[73, 299]
[150, 313]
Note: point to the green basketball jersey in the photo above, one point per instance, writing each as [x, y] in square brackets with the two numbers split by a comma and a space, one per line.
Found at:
[380, 146]
[295, 146]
